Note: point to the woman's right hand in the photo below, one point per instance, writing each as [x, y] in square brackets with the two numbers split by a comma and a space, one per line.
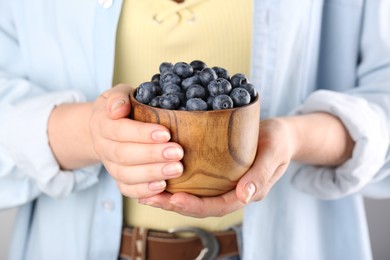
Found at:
[137, 155]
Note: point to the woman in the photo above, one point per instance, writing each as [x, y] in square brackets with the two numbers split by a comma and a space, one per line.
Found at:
[323, 77]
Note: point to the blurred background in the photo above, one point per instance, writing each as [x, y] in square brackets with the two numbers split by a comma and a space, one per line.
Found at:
[378, 215]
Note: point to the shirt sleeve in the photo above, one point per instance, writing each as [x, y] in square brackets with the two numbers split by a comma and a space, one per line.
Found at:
[365, 112]
[27, 165]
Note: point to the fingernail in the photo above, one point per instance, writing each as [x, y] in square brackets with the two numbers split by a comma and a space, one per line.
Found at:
[173, 169]
[161, 136]
[157, 185]
[249, 191]
[149, 203]
[142, 201]
[173, 153]
[176, 204]
[118, 103]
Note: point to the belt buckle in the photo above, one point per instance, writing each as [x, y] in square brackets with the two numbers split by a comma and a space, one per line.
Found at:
[210, 243]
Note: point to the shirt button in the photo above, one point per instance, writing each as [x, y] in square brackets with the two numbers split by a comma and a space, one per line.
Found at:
[106, 3]
[108, 205]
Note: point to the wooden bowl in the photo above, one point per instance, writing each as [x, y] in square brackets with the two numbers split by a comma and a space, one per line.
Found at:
[219, 145]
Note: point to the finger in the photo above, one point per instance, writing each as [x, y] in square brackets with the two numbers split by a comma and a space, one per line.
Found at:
[142, 190]
[190, 205]
[126, 154]
[145, 173]
[128, 130]
[160, 200]
[118, 102]
[254, 184]
[257, 182]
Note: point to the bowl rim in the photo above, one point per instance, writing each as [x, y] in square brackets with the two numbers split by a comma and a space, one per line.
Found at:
[133, 99]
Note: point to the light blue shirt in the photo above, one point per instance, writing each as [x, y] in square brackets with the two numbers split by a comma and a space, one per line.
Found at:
[308, 55]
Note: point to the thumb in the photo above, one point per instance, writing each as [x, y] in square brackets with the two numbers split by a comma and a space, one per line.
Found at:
[257, 182]
[118, 102]
[252, 186]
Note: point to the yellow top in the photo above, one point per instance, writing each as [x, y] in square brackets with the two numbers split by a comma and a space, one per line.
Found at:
[217, 32]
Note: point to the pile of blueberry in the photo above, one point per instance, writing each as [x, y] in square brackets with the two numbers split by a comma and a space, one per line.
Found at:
[195, 86]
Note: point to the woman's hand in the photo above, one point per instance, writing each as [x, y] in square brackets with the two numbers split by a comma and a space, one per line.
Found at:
[274, 153]
[318, 138]
[137, 155]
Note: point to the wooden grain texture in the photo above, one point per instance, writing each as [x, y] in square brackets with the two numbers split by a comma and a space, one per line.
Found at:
[219, 146]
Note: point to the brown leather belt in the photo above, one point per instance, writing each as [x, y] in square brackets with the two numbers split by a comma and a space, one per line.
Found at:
[140, 243]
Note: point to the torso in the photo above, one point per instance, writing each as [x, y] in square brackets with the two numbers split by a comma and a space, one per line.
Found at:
[180, 34]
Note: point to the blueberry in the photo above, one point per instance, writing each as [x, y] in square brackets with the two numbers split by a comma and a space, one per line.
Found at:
[156, 77]
[222, 102]
[221, 72]
[240, 97]
[155, 102]
[198, 65]
[219, 86]
[169, 77]
[182, 97]
[186, 83]
[171, 88]
[158, 88]
[207, 75]
[239, 79]
[194, 104]
[165, 67]
[195, 86]
[183, 70]
[209, 102]
[169, 101]
[196, 91]
[251, 89]
[146, 92]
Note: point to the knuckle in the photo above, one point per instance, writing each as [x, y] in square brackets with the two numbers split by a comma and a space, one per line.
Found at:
[120, 155]
[220, 213]
[155, 153]
[117, 131]
[121, 175]
[261, 194]
[122, 189]
[139, 129]
[129, 191]
[110, 169]
[266, 174]
[105, 94]
[140, 191]
[121, 86]
[153, 172]
[98, 147]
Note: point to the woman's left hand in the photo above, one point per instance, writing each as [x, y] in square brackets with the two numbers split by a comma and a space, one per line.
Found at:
[273, 156]
[316, 139]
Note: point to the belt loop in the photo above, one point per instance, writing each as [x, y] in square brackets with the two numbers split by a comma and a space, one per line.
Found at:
[138, 244]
